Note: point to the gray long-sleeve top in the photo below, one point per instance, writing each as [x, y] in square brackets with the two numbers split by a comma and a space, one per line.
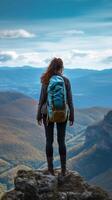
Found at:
[43, 99]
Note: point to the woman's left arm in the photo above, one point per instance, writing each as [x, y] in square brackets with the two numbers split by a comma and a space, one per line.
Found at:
[42, 99]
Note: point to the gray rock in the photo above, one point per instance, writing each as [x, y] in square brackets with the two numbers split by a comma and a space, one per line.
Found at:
[39, 185]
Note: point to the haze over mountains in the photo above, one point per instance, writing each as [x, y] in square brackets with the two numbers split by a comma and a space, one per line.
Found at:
[90, 87]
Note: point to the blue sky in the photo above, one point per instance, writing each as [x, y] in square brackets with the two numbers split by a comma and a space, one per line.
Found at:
[32, 32]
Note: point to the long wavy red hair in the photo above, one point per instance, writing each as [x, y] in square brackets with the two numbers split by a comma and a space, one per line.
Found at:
[55, 65]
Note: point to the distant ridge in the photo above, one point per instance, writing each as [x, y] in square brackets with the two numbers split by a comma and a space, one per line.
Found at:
[90, 87]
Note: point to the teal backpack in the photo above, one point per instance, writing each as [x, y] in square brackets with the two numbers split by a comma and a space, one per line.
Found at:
[57, 109]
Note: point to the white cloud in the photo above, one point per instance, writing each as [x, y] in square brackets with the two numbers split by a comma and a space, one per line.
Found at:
[7, 56]
[78, 53]
[79, 42]
[17, 33]
[74, 32]
[107, 60]
[72, 59]
[64, 33]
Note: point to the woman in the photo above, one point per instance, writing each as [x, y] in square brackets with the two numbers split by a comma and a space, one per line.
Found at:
[55, 68]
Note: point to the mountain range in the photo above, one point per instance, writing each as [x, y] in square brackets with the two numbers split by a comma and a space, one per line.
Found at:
[90, 87]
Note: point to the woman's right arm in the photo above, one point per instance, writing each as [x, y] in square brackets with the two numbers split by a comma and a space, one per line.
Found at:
[70, 101]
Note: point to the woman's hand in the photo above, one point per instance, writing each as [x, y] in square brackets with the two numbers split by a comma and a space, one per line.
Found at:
[39, 122]
[71, 123]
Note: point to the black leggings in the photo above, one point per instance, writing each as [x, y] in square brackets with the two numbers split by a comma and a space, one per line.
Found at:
[49, 131]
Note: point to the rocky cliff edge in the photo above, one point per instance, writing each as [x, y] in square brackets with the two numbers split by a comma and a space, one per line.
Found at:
[39, 185]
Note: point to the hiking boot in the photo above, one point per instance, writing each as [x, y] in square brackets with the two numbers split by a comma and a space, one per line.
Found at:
[51, 171]
[50, 165]
[63, 172]
[63, 164]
